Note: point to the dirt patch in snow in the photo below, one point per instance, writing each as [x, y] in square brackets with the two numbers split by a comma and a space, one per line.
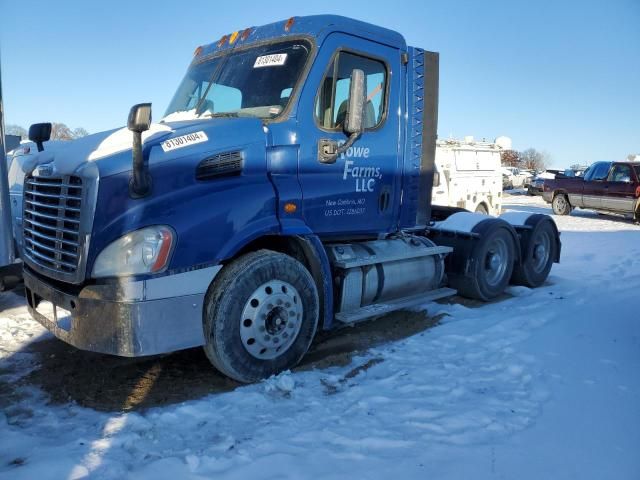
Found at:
[109, 383]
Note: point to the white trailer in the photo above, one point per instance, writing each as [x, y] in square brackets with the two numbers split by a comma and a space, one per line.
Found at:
[468, 176]
[8, 266]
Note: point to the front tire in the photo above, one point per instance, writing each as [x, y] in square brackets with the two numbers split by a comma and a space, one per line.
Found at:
[561, 205]
[261, 314]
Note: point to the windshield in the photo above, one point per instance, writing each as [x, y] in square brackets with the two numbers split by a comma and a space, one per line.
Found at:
[254, 82]
[637, 169]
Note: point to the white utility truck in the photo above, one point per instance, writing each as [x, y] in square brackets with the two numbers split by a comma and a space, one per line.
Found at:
[468, 175]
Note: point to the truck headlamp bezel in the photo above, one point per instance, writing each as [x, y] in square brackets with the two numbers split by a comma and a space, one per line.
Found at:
[143, 251]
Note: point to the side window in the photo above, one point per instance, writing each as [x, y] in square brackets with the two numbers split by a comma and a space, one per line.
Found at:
[620, 173]
[331, 102]
[597, 171]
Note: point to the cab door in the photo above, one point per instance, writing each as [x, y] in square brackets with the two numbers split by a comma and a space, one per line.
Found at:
[620, 189]
[594, 188]
[355, 194]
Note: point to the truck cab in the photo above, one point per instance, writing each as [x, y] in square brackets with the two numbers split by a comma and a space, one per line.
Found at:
[286, 190]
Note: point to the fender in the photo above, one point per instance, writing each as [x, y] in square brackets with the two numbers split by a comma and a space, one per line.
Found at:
[315, 251]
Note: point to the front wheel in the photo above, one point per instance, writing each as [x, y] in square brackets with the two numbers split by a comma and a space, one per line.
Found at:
[561, 205]
[261, 314]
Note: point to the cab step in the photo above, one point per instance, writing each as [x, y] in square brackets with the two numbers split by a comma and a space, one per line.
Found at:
[386, 307]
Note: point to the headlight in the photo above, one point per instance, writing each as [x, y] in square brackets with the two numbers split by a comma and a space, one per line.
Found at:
[143, 251]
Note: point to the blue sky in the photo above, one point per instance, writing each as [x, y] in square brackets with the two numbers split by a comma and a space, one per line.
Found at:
[559, 76]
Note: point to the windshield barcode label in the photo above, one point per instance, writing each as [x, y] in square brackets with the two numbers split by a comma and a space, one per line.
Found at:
[184, 141]
[270, 60]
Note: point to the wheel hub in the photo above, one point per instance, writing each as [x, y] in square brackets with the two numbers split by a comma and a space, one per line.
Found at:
[271, 320]
[541, 251]
[276, 321]
[496, 261]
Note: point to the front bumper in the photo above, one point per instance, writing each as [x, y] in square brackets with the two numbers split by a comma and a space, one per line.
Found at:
[130, 318]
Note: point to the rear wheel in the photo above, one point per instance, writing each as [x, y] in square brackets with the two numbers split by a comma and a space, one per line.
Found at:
[482, 208]
[261, 315]
[491, 265]
[561, 205]
[539, 254]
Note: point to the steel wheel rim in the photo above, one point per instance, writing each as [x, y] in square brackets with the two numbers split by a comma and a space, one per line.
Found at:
[496, 261]
[541, 251]
[271, 320]
[561, 203]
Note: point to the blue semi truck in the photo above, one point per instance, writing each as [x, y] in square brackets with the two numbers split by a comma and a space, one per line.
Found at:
[286, 190]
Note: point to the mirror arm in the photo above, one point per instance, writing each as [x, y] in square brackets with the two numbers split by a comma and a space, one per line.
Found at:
[140, 182]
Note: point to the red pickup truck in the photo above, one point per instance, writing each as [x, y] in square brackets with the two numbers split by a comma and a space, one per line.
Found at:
[611, 187]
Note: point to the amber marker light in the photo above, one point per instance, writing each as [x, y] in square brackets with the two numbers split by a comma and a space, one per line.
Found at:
[245, 34]
[290, 207]
[233, 38]
[222, 40]
[165, 249]
[197, 51]
[289, 24]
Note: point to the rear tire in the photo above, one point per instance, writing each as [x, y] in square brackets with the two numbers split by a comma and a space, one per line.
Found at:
[539, 254]
[481, 208]
[491, 265]
[261, 314]
[561, 205]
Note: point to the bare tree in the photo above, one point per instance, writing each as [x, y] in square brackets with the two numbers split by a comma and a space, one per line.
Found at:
[532, 159]
[79, 132]
[510, 158]
[59, 131]
[16, 130]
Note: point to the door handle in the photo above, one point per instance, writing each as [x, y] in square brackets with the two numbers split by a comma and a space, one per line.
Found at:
[327, 150]
[383, 202]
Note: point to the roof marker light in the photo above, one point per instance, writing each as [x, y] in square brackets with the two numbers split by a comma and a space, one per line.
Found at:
[246, 33]
[222, 40]
[197, 51]
[289, 24]
[233, 37]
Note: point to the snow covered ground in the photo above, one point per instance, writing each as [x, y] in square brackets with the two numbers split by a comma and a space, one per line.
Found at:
[543, 384]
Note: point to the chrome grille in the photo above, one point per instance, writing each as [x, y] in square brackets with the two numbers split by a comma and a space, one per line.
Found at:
[51, 219]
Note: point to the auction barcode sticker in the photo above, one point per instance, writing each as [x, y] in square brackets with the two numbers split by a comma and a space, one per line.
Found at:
[184, 141]
[270, 60]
